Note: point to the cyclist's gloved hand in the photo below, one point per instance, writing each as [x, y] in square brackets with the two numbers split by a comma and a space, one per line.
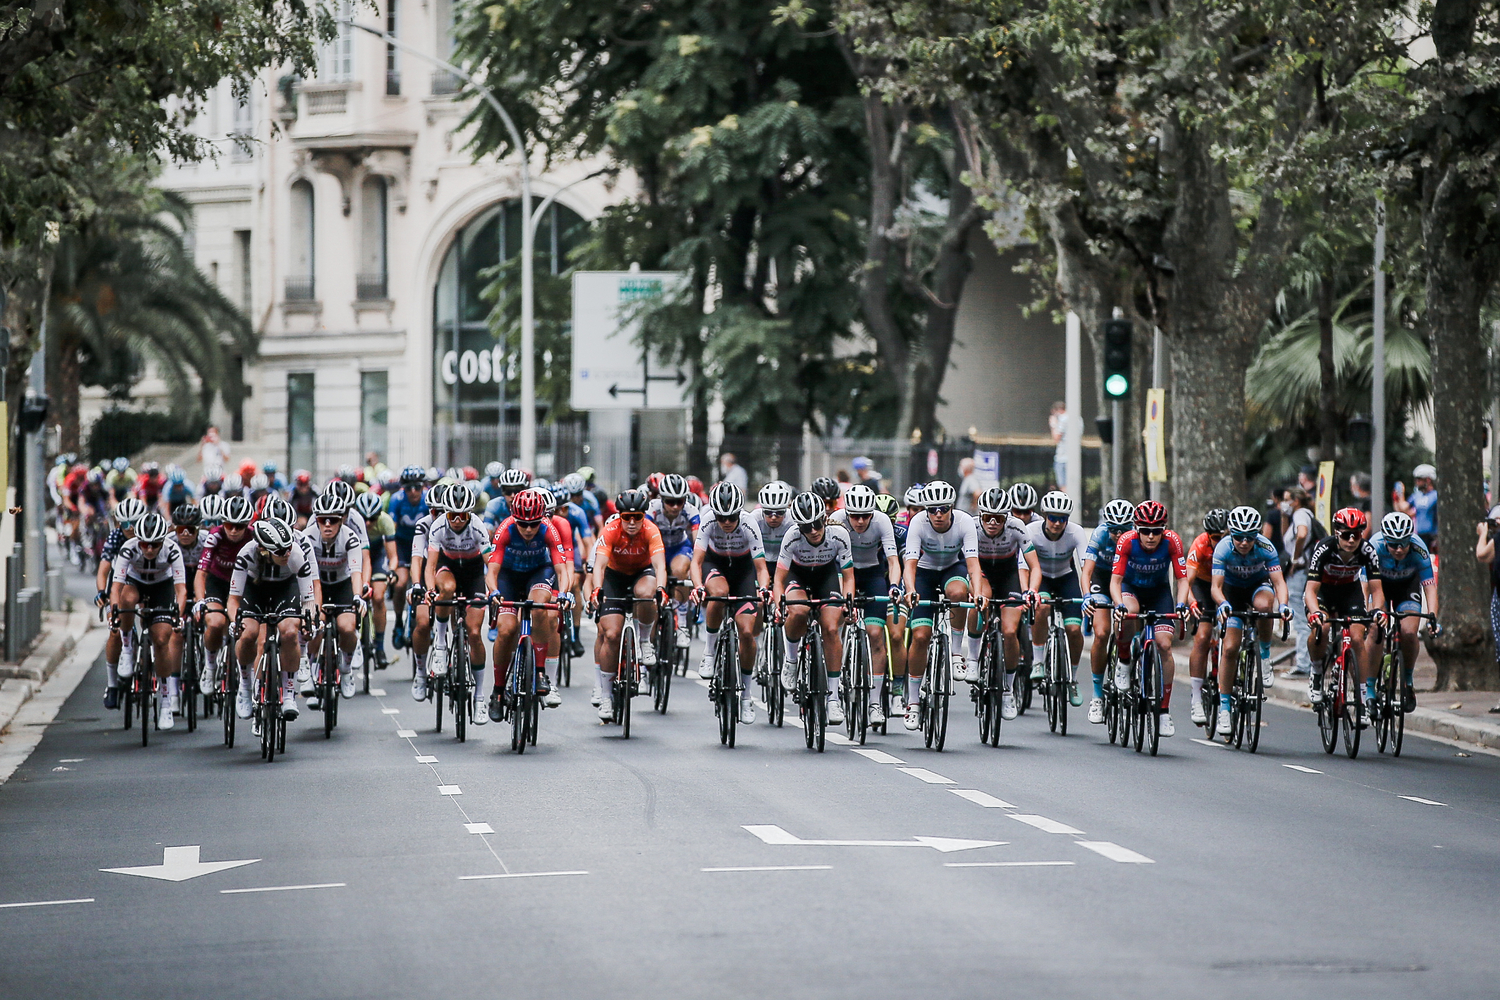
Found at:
[100, 599]
[359, 605]
[1316, 618]
[1225, 610]
[416, 594]
[565, 600]
[1182, 610]
[1285, 611]
[1434, 629]
[1379, 618]
[698, 595]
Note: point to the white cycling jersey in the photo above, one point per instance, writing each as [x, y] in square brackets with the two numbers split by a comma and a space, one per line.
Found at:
[420, 531]
[742, 542]
[355, 521]
[134, 566]
[872, 546]
[337, 559]
[1012, 541]
[769, 536]
[835, 549]
[471, 543]
[253, 565]
[191, 554]
[675, 531]
[933, 549]
[1057, 557]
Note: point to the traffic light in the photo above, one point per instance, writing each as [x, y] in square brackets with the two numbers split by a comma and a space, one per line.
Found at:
[1117, 336]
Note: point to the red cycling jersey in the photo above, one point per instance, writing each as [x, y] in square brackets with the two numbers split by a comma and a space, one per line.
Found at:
[1200, 558]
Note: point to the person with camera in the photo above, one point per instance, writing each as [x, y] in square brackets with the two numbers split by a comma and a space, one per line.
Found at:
[1484, 551]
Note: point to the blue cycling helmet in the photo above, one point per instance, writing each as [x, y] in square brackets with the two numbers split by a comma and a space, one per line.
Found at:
[121, 464]
[176, 476]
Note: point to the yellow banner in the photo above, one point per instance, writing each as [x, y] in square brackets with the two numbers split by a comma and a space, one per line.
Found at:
[1322, 508]
[1156, 435]
[4, 450]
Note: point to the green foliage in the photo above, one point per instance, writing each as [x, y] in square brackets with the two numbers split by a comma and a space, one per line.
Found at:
[125, 432]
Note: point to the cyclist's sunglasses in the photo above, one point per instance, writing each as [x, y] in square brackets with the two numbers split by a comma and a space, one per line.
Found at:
[1247, 536]
[526, 524]
[153, 546]
[726, 518]
[1150, 532]
[633, 518]
[1398, 545]
[992, 518]
[1057, 519]
[330, 520]
[940, 509]
[1348, 535]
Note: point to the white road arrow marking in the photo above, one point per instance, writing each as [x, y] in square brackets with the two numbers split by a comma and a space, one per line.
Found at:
[178, 864]
[776, 835]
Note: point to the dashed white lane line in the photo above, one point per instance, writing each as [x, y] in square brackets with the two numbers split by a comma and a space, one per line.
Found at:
[879, 756]
[479, 828]
[981, 798]
[931, 777]
[1115, 852]
[1046, 825]
[390, 711]
[407, 734]
[284, 888]
[1422, 801]
[480, 878]
[449, 790]
[377, 692]
[838, 739]
[426, 759]
[1007, 864]
[1304, 770]
[771, 868]
[45, 902]
[1211, 743]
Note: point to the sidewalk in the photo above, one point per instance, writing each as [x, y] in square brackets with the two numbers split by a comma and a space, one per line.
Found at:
[19, 682]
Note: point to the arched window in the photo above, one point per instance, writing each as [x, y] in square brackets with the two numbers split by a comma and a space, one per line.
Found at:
[300, 270]
[371, 281]
[467, 362]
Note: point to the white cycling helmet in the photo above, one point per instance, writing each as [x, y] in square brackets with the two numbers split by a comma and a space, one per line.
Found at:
[129, 511]
[259, 481]
[273, 536]
[913, 495]
[326, 505]
[1245, 520]
[1424, 471]
[461, 497]
[938, 494]
[549, 502]
[673, 487]
[237, 510]
[726, 500]
[1119, 513]
[1396, 527]
[514, 478]
[573, 483]
[859, 499]
[212, 509]
[1057, 503]
[809, 511]
[1023, 497]
[776, 497]
[368, 504]
[995, 500]
[437, 499]
[493, 470]
[152, 530]
[277, 509]
[340, 489]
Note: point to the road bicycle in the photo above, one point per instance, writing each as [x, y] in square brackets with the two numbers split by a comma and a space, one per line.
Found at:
[1247, 696]
[521, 701]
[1144, 696]
[1057, 681]
[458, 681]
[139, 699]
[854, 677]
[629, 680]
[810, 692]
[326, 683]
[664, 636]
[367, 644]
[670, 657]
[1340, 707]
[267, 720]
[189, 684]
[1391, 690]
[770, 655]
[988, 692]
[227, 682]
[726, 685]
[936, 689]
[1209, 696]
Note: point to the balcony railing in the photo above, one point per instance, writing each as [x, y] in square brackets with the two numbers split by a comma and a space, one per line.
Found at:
[446, 82]
[300, 289]
[327, 102]
[370, 287]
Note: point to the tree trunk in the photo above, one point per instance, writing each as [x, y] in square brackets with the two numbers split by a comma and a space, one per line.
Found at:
[66, 403]
[1327, 385]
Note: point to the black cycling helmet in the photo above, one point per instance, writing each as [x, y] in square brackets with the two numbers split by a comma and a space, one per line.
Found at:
[187, 516]
[631, 501]
[825, 488]
[1216, 521]
[411, 476]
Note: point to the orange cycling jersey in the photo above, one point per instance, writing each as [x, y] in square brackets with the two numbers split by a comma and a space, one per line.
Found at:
[627, 553]
[1200, 559]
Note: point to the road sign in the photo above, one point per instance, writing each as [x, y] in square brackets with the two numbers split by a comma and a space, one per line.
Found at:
[1156, 448]
[776, 835]
[1323, 505]
[609, 372]
[178, 864]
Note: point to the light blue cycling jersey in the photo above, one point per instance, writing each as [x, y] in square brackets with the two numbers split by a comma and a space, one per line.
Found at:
[1102, 544]
[1249, 570]
[1417, 562]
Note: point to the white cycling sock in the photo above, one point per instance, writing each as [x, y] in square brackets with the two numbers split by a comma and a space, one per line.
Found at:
[1038, 653]
[288, 686]
[711, 641]
[112, 676]
[876, 680]
[792, 646]
[172, 687]
[913, 690]
[1197, 683]
[599, 677]
[440, 632]
[642, 632]
[550, 665]
[974, 646]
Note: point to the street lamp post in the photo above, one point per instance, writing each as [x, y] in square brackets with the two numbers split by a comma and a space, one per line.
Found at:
[528, 241]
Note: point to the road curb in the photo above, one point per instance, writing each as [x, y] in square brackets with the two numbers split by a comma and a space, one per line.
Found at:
[19, 682]
[1427, 721]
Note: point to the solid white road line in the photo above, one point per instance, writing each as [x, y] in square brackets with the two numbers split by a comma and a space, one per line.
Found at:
[879, 756]
[478, 878]
[284, 888]
[1115, 852]
[1006, 864]
[981, 798]
[1046, 825]
[45, 902]
[1419, 799]
[771, 868]
[479, 828]
[1304, 770]
[407, 734]
[449, 790]
[930, 777]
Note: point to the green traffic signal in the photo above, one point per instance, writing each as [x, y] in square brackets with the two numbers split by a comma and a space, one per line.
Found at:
[1116, 386]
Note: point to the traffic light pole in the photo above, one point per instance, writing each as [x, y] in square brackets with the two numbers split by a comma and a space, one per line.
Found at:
[1114, 449]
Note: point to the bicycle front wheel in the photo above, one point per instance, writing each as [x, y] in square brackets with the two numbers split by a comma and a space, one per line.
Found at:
[522, 669]
[1253, 705]
[1352, 710]
[1328, 709]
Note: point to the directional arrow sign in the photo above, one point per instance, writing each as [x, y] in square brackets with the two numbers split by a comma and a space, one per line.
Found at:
[178, 864]
[776, 835]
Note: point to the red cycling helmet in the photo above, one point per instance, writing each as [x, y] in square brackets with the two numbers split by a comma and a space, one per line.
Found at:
[471, 473]
[303, 478]
[653, 482]
[1150, 514]
[528, 506]
[1350, 519]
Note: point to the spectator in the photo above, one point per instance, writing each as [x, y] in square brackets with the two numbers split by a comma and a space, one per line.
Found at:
[1359, 491]
[1422, 505]
[865, 470]
[1484, 551]
[1307, 478]
[1298, 542]
[212, 450]
[731, 471]
[1273, 522]
[1057, 421]
[374, 468]
[843, 480]
[969, 487]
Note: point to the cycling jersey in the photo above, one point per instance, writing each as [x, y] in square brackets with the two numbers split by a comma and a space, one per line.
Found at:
[1200, 556]
[120, 483]
[1330, 567]
[112, 545]
[253, 566]
[383, 527]
[133, 565]
[1416, 564]
[406, 514]
[833, 550]
[589, 503]
[514, 554]
[933, 549]
[218, 555]
[564, 535]
[1102, 544]
[496, 510]
[355, 521]
[742, 542]
[770, 537]
[472, 542]
[676, 532]
[178, 494]
[1245, 571]
[582, 526]
[338, 558]
[1010, 542]
[872, 546]
[193, 553]
[148, 488]
[420, 531]
[1056, 555]
[630, 554]
[1144, 570]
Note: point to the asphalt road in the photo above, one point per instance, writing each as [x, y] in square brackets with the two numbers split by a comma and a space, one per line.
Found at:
[1202, 872]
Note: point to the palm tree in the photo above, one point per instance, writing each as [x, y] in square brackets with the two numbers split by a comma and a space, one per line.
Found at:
[125, 292]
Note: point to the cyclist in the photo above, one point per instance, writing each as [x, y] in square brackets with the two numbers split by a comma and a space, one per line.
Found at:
[1246, 573]
[406, 507]
[150, 579]
[127, 513]
[1117, 518]
[1007, 565]
[1343, 578]
[1059, 544]
[270, 572]
[512, 481]
[382, 557]
[489, 489]
[912, 500]
[149, 485]
[730, 547]
[211, 589]
[278, 483]
[770, 517]
[233, 486]
[121, 479]
[187, 528]
[178, 492]
[302, 497]
[572, 548]
[877, 575]
[827, 489]
[212, 481]
[421, 629]
[457, 545]
[577, 487]
[816, 563]
[583, 542]
[896, 613]
[1200, 561]
[677, 519]
[340, 562]
[1146, 561]
[1023, 501]
[629, 560]
[1405, 576]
